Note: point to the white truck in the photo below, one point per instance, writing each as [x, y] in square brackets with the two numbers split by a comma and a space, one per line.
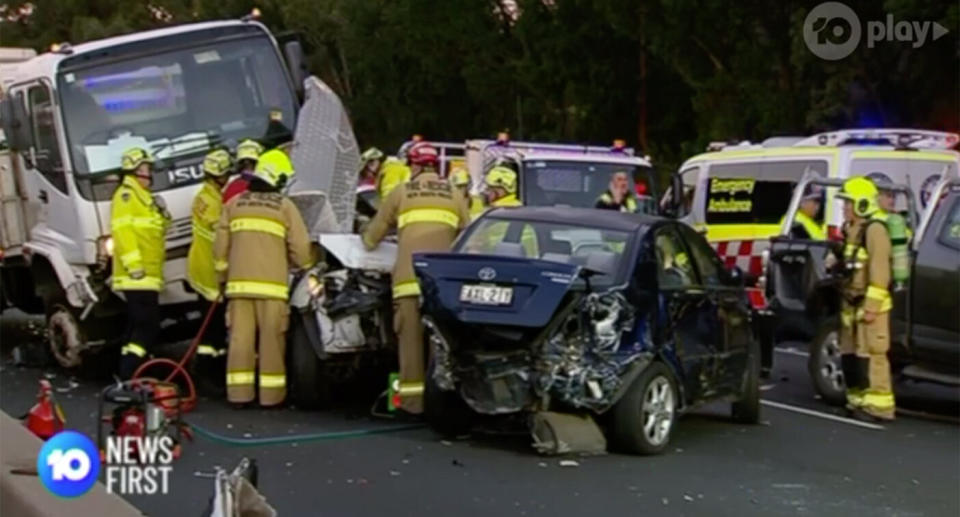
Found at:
[70, 113]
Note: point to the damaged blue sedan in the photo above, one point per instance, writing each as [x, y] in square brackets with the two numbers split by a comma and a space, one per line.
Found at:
[620, 320]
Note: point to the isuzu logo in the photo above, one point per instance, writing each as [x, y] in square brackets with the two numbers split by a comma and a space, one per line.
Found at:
[184, 174]
[487, 274]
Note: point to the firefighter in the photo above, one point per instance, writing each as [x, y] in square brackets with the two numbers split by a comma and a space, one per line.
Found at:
[138, 225]
[865, 313]
[501, 187]
[371, 161]
[460, 178]
[617, 196]
[256, 234]
[393, 172]
[248, 152]
[428, 213]
[202, 277]
[900, 235]
[805, 224]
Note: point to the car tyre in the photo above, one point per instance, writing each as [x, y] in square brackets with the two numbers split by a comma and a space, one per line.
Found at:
[746, 410]
[824, 365]
[310, 388]
[643, 420]
[66, 338]
[445, 411]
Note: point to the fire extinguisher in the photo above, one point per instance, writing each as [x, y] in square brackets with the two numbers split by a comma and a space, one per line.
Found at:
[45, 418]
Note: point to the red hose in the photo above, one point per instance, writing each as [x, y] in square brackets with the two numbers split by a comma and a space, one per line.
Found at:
[190, 401]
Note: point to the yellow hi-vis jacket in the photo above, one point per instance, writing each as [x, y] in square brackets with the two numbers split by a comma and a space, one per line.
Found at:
[201, 275]
[814, 230]
[392, 173]
[428, 213]
[495, 233]
[477, 206]
[256, 234]
[138, 227]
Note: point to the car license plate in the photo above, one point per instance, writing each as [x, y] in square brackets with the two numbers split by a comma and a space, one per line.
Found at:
[486, 294]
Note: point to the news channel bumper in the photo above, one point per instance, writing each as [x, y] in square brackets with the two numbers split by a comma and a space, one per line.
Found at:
[69, 464]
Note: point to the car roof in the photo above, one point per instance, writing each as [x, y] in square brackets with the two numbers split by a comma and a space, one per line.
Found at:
[612, 158]
[590, 217]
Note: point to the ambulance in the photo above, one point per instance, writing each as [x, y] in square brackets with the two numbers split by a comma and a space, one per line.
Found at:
[738, 194]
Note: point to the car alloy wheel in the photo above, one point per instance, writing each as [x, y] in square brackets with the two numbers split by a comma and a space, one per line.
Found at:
[829, 361]
[658, 407]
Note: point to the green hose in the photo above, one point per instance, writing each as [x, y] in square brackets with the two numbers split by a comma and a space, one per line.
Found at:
[312, 437]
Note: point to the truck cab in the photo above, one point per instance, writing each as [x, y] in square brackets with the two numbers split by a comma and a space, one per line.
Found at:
[68, 116]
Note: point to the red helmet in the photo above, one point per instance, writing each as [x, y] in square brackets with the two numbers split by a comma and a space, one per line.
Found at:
[422, 153]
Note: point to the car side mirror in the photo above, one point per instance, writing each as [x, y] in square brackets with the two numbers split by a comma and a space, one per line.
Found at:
[293, 52]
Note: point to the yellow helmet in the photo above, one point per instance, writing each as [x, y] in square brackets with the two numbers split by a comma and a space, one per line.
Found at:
[217, 163]
[274, 167]
[133, 158]
[249, 150]
[460, 177]
[862, 192]
[502, 177]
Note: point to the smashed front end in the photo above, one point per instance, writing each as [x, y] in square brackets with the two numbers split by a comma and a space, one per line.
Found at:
[549, 343]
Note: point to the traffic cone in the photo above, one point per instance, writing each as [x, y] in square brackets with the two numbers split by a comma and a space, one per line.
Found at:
[45, 418]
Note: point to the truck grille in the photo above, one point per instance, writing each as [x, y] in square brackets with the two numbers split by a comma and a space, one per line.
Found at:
[180, 229]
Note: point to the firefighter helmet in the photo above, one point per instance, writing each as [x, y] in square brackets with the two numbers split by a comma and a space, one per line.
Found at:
[217, 163]
[274, 167]
[863, 193]
[249, 150]
[422, 153]
[135, 157]
[460, 177]
[502, 177]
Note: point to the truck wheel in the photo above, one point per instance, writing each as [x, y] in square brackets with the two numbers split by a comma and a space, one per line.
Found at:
[309, 387]
[65, 336]
[643, 419]
[746, 410]
[824, 363]
[445, 411]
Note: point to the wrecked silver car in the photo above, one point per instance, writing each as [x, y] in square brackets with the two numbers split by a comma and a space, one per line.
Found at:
[585, 312]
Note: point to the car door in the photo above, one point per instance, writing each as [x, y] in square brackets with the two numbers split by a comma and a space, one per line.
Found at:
[935, 292]
[732, 333]
[688, 319]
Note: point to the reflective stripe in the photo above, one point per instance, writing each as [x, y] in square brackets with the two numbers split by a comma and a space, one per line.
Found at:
[855, 397]
[135, 349]
[203, 233]
[131, 257]
[240, 378]
[409, 389]
[210, 293]
[428, 215]
[152, 222]
[879, 399]
[408, 288]
[221, 265]
[255, 288]
[732, 232]
[273, 380]
[906, 155]
[210, 350]
[258, 224]
[881, 295]
[126, 283]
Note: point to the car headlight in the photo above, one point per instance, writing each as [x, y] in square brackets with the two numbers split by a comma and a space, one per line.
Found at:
[314, 285]
[105, 248]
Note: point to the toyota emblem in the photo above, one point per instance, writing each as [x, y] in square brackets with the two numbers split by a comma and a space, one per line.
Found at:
[487, 273]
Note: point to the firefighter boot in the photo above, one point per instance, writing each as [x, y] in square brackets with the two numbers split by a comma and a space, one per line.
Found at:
[852, 379]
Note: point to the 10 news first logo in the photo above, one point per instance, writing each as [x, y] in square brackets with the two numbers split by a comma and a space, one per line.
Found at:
[69, 464]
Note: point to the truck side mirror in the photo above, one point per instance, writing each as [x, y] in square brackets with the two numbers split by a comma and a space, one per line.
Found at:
[293, 52]
[13, 116]
[674, 205]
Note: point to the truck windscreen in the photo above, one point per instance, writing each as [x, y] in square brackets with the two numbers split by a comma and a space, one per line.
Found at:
[178, 104]
[579, 184]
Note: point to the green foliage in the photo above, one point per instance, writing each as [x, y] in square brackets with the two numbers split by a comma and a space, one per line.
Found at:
[669, 75]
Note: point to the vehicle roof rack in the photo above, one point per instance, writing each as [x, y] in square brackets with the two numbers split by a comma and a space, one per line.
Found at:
[731, 145]
[782, 141]
[899, 138]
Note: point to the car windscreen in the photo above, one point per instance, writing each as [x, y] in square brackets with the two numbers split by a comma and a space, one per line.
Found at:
[755, 192]
[601, 250]
[177, 104]
[579, 184]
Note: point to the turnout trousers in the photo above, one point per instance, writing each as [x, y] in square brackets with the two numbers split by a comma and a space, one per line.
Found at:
[254, 321]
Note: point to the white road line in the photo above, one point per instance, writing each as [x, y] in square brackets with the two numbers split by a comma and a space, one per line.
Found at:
[826, 416]
[792, 351]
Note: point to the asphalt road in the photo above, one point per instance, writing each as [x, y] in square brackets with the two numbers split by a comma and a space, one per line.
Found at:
[792, 464]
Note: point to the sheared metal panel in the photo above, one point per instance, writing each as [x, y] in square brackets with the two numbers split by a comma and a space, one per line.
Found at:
[325, 153]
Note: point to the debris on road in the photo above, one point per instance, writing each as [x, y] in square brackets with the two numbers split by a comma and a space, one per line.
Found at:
[542, 465]
[569, 463]
[394, 473]
[446, 443]
[687, 498]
